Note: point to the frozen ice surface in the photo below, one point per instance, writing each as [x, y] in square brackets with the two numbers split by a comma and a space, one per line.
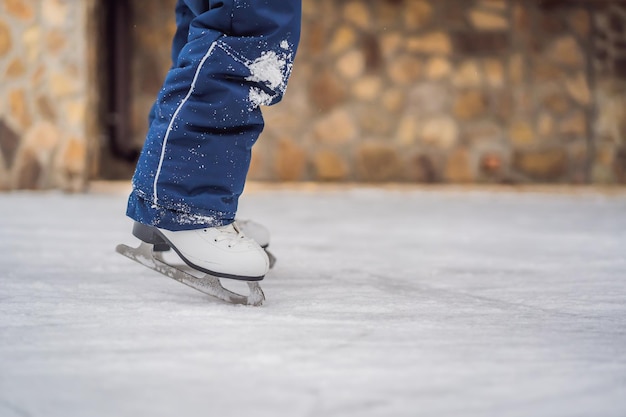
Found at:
[384, 302]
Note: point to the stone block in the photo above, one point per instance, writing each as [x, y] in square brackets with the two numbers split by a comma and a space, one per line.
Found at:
[56, 41]
[32, 44]
[55, 12]
[521, 134]
[516, 69]
[358, 13]
[28, 171]
[19, 9]
[494, 72]
[417, 14]
[378, 162]
[290, 161]
[458, 167]
[393, 100]
[441, 132]
[523, 101]
[468, 74]
[351, 65]
[574, 125]
[406, 69]
[433, 43]
[470, 105]
[566, 51]
[424, 168]
[329, 166]
[74, 112]
[545, 71]
[545, 125]
[548, 164]
[438, 68]
[502, 104]
[343, 38]
[429, 98]
[556, 102]
[335, 128]
[64, 84]
[45, 108]
[19, 110]
[578, 88]
[391, 43]
[15, 69]
[407, 131]
[487, 21]
[73, 157]
[41, 141]
[6, 41]
[367, 88]
[39, 76]
[374, 121]
[326, 90]
[480, 132]
[314, 37]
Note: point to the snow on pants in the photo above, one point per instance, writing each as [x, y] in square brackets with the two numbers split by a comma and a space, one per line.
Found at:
[229, 58]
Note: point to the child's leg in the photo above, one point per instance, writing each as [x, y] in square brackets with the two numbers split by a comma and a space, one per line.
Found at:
[193, 166]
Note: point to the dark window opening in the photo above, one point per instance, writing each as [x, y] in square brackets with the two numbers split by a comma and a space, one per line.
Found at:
[118, 153]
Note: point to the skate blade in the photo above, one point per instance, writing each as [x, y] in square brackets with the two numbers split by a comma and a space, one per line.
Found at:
[206, 284]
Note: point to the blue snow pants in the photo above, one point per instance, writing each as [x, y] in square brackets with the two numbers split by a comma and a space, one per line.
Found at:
[229, 58]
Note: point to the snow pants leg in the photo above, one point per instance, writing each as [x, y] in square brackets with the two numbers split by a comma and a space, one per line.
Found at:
[229, 58]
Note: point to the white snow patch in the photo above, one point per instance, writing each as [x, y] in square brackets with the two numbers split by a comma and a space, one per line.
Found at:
[259, 97]
[198, 219]
[269, 69]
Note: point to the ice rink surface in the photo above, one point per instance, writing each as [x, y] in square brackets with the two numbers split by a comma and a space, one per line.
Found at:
[384, 302]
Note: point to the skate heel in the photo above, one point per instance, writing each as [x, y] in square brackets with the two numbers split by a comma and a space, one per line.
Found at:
[150, 234]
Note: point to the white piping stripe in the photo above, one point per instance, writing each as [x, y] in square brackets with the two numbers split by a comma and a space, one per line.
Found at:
[169, 127]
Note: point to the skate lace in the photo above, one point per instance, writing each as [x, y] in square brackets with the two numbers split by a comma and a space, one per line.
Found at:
[231, 234]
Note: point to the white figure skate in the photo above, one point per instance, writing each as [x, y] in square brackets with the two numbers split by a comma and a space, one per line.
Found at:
[259, 233]
[217, 252]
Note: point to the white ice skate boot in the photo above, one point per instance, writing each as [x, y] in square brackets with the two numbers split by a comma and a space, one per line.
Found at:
[259, 233]
[222, 251]
[256, 231]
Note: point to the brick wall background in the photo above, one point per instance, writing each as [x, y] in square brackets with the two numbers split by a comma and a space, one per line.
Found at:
[497, 91]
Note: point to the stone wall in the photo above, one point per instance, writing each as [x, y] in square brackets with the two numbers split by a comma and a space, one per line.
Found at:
[609, 65]
[422, 91]
[44, 93]
[450, 90]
